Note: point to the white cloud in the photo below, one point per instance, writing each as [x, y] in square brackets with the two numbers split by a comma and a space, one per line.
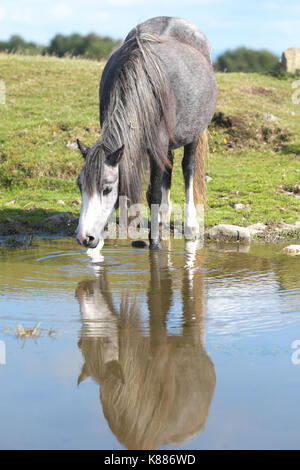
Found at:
[2, 13]
[287, 27]
[149, 3]
[61, 11]
[121, 3]
[99, 16]
[22, 16]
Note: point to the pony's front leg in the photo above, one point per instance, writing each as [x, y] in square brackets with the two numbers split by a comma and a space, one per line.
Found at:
[154, 197]
[165, 207]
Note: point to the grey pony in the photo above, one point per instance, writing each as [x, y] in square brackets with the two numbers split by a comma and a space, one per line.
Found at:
[157, 93]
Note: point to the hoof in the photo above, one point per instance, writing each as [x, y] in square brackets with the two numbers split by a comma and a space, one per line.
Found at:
[154, 245]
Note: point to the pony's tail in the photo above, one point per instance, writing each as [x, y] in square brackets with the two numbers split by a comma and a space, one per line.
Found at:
[201, 163]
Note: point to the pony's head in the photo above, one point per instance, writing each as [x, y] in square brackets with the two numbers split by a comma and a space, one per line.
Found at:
[98, 182]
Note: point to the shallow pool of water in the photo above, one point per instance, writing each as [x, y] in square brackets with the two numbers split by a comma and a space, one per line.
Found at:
[169, 349]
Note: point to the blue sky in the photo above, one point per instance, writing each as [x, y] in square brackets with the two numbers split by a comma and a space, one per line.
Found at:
[270, 24]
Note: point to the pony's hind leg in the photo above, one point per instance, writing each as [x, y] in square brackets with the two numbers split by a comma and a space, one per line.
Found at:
[158, 197]
[191, 225]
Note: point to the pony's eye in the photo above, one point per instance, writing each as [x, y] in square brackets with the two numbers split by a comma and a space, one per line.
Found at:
[106, 191]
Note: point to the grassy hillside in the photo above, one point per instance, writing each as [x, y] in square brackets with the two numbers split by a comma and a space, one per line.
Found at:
[50, 102]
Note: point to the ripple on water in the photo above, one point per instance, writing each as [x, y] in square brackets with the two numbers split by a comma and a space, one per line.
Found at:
[243, 293]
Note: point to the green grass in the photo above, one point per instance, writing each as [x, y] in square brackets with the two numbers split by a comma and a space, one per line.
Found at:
[51, 101]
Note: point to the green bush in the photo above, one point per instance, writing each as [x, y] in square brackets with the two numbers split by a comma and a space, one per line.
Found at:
[91, 46]
[17, 44]
[246, 60]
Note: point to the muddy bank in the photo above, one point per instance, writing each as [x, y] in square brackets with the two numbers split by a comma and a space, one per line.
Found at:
[61, 223]
[269, 232]
[18, 233]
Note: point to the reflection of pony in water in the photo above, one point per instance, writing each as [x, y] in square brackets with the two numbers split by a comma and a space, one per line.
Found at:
[154, 389]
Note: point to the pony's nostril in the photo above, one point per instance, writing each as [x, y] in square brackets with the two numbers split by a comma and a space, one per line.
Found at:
[88, 241]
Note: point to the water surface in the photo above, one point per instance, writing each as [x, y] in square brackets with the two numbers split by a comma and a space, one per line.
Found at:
[170, 349]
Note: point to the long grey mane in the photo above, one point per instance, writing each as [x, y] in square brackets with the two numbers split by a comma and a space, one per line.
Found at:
[137, 107]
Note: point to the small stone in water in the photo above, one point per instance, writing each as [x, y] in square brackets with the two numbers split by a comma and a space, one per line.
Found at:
[292, 249]
[139, 243]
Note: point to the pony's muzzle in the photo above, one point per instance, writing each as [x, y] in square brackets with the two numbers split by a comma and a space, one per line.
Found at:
[88, 241]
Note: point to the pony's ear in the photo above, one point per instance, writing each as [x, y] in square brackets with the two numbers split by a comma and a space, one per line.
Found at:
[83, 375]
[83, 148]
[114, 158]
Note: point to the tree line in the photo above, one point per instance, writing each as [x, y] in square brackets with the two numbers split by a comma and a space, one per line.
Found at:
[93, 46]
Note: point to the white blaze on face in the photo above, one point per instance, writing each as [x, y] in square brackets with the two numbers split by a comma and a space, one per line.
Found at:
[96, 210]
